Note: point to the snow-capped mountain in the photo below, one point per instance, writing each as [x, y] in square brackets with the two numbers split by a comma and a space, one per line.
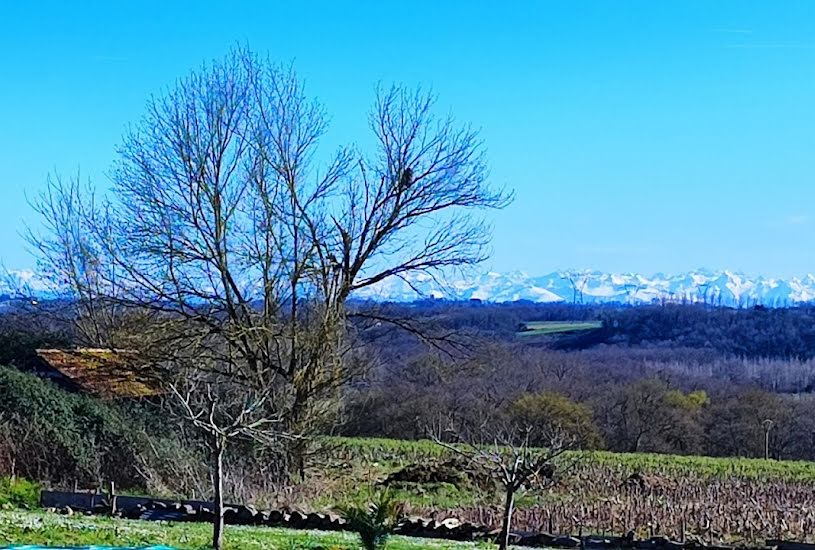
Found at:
[23, 282]
[724, 288]
[591, 287]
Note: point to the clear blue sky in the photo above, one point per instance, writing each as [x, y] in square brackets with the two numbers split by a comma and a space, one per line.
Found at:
[638, 136]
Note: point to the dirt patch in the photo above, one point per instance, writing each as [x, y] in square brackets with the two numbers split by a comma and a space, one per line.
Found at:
[647, 484]
[455, 471]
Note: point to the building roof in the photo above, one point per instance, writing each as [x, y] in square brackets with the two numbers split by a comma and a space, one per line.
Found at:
[104, 372]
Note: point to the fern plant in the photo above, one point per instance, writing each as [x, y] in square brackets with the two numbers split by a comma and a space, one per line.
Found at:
[373, 522]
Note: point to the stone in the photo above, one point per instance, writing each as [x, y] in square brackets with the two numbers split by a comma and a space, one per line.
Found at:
[660, 542]
[337, 520]
[245, 515]
[297, 519]
[598, 542]
[536, 539]
[450, 524]
[274, 518]
[409, 526]
[565, 541]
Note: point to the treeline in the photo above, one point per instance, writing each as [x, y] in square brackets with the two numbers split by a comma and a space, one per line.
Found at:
[639, 400]
[757, 332]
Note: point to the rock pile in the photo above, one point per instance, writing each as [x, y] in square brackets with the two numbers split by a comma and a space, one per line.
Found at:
[450, 529]
[235, 515]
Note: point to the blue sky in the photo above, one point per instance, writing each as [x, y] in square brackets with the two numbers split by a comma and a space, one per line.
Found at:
[638, 136]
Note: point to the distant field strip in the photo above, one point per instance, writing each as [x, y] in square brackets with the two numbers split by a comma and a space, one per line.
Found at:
[542, 328]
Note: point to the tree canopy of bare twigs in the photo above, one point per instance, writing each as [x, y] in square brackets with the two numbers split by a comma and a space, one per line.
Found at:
[506, 453]
[229, 243]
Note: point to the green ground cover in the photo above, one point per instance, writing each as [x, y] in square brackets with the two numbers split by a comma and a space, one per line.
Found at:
[544, 328]
[42, 528]
[389, 453]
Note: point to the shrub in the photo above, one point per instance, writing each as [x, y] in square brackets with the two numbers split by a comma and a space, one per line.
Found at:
[19, 493]
[375, 522]
[550, 415]
[59, 437]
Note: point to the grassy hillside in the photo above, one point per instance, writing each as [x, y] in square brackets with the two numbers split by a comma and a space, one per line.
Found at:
[396, 452]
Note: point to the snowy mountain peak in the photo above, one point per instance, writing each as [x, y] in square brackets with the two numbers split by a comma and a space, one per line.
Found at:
[726, 288]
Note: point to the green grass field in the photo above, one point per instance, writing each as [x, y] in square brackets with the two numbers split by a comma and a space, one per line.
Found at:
[42, 528]
[394, 453]
[544, 328]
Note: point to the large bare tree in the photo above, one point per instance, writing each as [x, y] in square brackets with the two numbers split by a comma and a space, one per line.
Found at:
[229, 243]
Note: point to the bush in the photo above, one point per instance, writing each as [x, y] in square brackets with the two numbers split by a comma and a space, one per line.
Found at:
[59, 437]
[19, 493]
[375, 522]
[550, 415]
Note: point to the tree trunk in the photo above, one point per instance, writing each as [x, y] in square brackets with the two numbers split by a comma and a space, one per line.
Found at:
[506, 520]
[218, 494]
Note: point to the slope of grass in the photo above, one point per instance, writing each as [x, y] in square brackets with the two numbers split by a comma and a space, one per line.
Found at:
[705, 467]
[391, 453]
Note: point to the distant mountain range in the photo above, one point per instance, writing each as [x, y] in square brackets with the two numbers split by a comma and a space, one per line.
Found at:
[25, 282]
[596, 287]
[724, 288]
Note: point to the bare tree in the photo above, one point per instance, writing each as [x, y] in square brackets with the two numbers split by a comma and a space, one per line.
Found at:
[225, 254]
[224, 412]
[506, 454]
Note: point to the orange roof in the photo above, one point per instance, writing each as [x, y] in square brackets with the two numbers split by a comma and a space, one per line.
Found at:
[104, 372]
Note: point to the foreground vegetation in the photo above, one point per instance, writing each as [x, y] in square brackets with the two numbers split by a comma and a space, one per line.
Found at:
[710, 499]
[25, 527]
